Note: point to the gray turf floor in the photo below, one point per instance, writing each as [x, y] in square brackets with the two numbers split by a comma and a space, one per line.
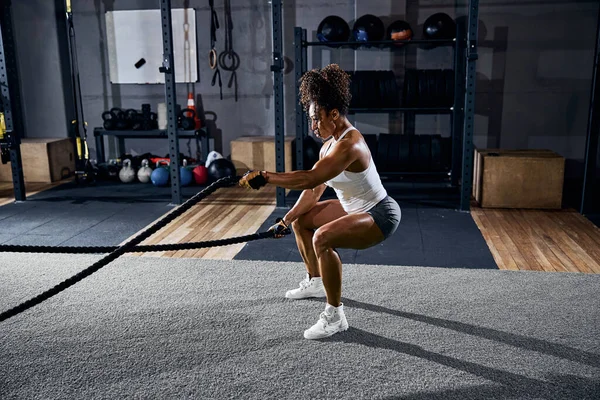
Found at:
[147, 327]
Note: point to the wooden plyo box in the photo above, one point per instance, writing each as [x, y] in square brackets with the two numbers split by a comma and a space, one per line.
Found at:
[44, 160]
[518, 178]
[258, 153]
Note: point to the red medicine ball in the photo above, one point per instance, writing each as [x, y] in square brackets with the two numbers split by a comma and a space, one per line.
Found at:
[200, 174]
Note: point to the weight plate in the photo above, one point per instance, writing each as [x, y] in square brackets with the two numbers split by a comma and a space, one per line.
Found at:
[424, 152]
[382, 152]
[394, 150]
[436, 153]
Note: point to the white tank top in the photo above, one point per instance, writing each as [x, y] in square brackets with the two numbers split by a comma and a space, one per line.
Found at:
[357, 191]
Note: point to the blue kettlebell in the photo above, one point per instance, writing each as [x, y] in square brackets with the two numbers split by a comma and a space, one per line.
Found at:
[185, 175]
[160, 176]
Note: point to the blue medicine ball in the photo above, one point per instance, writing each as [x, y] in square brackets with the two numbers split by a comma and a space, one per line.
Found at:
[185, 176]
[160, 177]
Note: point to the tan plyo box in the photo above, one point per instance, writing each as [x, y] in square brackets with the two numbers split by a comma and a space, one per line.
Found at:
[518, 178]
[258, 153]
[44, 160]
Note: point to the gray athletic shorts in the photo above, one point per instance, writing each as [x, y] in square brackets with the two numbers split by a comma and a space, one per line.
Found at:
[387, 216]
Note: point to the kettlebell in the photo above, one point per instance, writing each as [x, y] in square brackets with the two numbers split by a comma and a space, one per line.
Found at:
[144, 172]
[185, 175]
[127, 173]
[110, 119]
[121, 123]
[134, 120]
[187, 119]
[160, 176]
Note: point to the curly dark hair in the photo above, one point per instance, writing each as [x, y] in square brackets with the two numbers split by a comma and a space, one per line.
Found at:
[328, 88]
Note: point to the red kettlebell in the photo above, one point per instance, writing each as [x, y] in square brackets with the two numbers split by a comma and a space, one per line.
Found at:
[200, 174]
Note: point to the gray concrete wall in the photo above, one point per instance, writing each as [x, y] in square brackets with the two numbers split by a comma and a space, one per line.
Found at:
[534, 68]
[545, 86]
[250, 115]
[39, 63]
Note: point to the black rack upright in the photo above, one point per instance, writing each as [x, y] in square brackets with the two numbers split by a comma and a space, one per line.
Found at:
[278, 100]
[10, 140]
[168, 68]
[591, 193]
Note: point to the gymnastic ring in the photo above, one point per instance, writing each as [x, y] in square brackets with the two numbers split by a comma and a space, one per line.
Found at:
[212, 59]
[233, 56]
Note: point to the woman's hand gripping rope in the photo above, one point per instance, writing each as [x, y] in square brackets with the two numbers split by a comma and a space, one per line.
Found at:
[280, 229]
[254, 179]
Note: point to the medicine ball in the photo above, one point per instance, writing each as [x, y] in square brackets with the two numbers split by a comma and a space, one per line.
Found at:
[200, 174]
[185, 174]
[333, 29]
[368, 28]
[220, 168]
[439, 26]
[160, 176]
[399, 30]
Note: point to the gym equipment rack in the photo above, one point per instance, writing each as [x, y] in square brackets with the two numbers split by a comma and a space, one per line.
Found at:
[462, 110]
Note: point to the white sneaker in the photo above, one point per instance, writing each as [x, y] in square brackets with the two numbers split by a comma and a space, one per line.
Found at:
[331, 321]
[308, 288]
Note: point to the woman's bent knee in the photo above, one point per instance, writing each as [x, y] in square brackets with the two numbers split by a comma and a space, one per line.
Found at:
[321, 241]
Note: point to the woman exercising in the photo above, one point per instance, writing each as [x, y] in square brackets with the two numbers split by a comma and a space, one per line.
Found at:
[362, 216]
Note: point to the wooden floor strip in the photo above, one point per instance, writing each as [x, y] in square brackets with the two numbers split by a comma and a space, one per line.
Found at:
[503, 256]
[229, 212]
[507, 237]
[576, 253]
[546, 244]
[553, 240]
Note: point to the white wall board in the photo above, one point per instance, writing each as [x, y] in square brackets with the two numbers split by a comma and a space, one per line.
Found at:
[134, 35]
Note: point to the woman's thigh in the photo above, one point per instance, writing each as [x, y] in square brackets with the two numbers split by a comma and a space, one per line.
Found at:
[356, 231]
[322, 213]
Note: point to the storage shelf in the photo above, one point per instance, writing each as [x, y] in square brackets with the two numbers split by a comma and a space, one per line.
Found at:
[418, 110]
[381, 43]
[162, 134]
[408, 113]
[142, 134]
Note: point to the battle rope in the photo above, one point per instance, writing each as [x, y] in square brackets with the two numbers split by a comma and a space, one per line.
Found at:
[142, 249]
[129, 246]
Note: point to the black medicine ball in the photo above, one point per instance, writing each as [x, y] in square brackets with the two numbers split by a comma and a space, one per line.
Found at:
[333, 29]
[220, 168]
[439, 26]
[368, 28]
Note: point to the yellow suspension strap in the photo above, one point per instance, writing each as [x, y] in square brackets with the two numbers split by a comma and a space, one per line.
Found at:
[81, 145]
[4, 143]
[2, 126]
